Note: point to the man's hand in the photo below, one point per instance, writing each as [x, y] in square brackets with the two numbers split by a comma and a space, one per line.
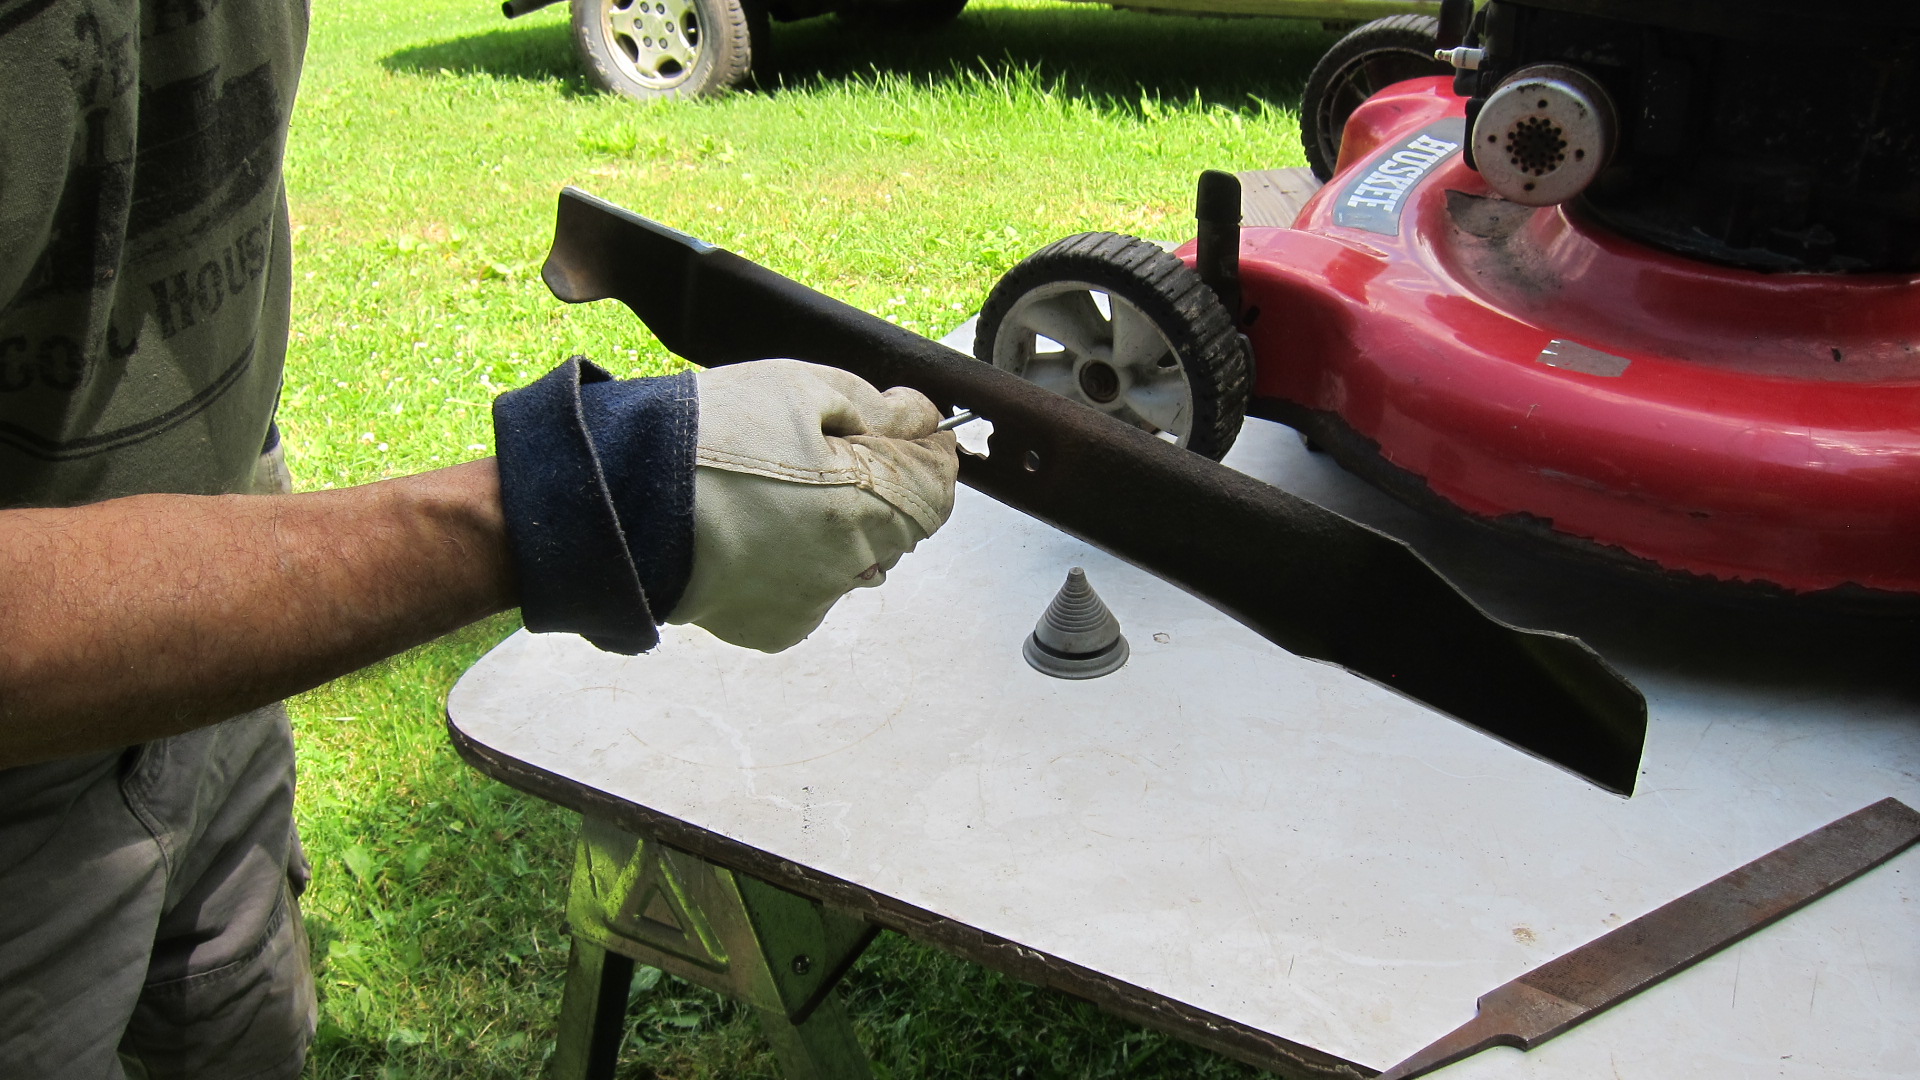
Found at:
[746, 499]
[810, 483]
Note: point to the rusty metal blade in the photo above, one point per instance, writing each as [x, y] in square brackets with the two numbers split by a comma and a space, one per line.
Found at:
[1305, 578]
[1609, 969]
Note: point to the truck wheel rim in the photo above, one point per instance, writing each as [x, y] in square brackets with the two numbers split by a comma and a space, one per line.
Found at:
[656, 43]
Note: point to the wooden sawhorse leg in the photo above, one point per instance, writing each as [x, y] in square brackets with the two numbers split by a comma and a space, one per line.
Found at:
[635, 899]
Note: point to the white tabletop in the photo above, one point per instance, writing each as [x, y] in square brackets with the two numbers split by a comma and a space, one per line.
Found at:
[1270, 839]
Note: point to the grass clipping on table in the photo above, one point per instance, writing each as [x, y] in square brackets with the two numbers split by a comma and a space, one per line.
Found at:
[902, 174]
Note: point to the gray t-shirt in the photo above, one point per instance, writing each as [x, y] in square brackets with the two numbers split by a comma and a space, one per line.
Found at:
[144, 251]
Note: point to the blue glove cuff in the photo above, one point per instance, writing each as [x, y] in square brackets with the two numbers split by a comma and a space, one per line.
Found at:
[596, 479]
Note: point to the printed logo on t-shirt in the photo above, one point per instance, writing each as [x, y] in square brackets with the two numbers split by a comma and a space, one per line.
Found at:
[163, 233]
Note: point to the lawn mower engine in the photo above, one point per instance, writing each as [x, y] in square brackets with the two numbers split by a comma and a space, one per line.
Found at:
[1640, 279]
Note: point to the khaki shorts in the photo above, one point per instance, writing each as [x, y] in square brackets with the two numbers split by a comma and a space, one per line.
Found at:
[149, 923]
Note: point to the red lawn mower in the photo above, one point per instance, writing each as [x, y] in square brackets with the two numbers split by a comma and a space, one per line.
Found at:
[1636, 278]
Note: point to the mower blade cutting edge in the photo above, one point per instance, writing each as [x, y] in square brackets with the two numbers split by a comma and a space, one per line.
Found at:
[1303, 577]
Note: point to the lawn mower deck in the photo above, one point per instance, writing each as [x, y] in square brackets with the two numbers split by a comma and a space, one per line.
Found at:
[1532, 369]
[1624, 281]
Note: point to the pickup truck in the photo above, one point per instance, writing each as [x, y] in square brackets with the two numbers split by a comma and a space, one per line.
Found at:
[654, 49]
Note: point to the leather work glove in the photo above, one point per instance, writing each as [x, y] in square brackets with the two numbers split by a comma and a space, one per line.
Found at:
[810, 483]
[803, 482]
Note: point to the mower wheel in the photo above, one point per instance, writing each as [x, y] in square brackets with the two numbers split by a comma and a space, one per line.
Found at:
[652, 50]
[901, 14]
[1119, 325]
[1365, 62]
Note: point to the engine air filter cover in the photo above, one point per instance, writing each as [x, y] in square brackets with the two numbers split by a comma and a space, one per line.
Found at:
[1544, 134]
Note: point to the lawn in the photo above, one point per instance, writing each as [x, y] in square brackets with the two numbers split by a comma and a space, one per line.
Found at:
[902, 174]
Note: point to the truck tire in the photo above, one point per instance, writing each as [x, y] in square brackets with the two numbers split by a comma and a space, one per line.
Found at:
[652, 50]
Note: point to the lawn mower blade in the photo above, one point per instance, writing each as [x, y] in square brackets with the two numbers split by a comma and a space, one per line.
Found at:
[1305, 578]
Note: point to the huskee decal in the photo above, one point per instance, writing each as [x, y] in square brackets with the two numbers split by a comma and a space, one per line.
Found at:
[1374, 201]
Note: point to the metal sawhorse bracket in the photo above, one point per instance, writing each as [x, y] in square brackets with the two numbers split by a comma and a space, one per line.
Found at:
[635, 899]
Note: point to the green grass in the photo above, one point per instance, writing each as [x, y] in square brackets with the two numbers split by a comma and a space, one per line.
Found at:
[902, 174]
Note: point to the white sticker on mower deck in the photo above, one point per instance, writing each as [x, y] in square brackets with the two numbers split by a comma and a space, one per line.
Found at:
[1374, 199]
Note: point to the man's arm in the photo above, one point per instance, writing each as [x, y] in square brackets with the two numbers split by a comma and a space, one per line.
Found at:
[142, 617]
[137, 618]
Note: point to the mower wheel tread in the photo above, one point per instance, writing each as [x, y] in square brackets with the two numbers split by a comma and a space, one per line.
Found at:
[1212, 354]
[1397, 47]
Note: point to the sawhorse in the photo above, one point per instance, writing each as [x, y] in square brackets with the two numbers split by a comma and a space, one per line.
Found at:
[635, 899]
